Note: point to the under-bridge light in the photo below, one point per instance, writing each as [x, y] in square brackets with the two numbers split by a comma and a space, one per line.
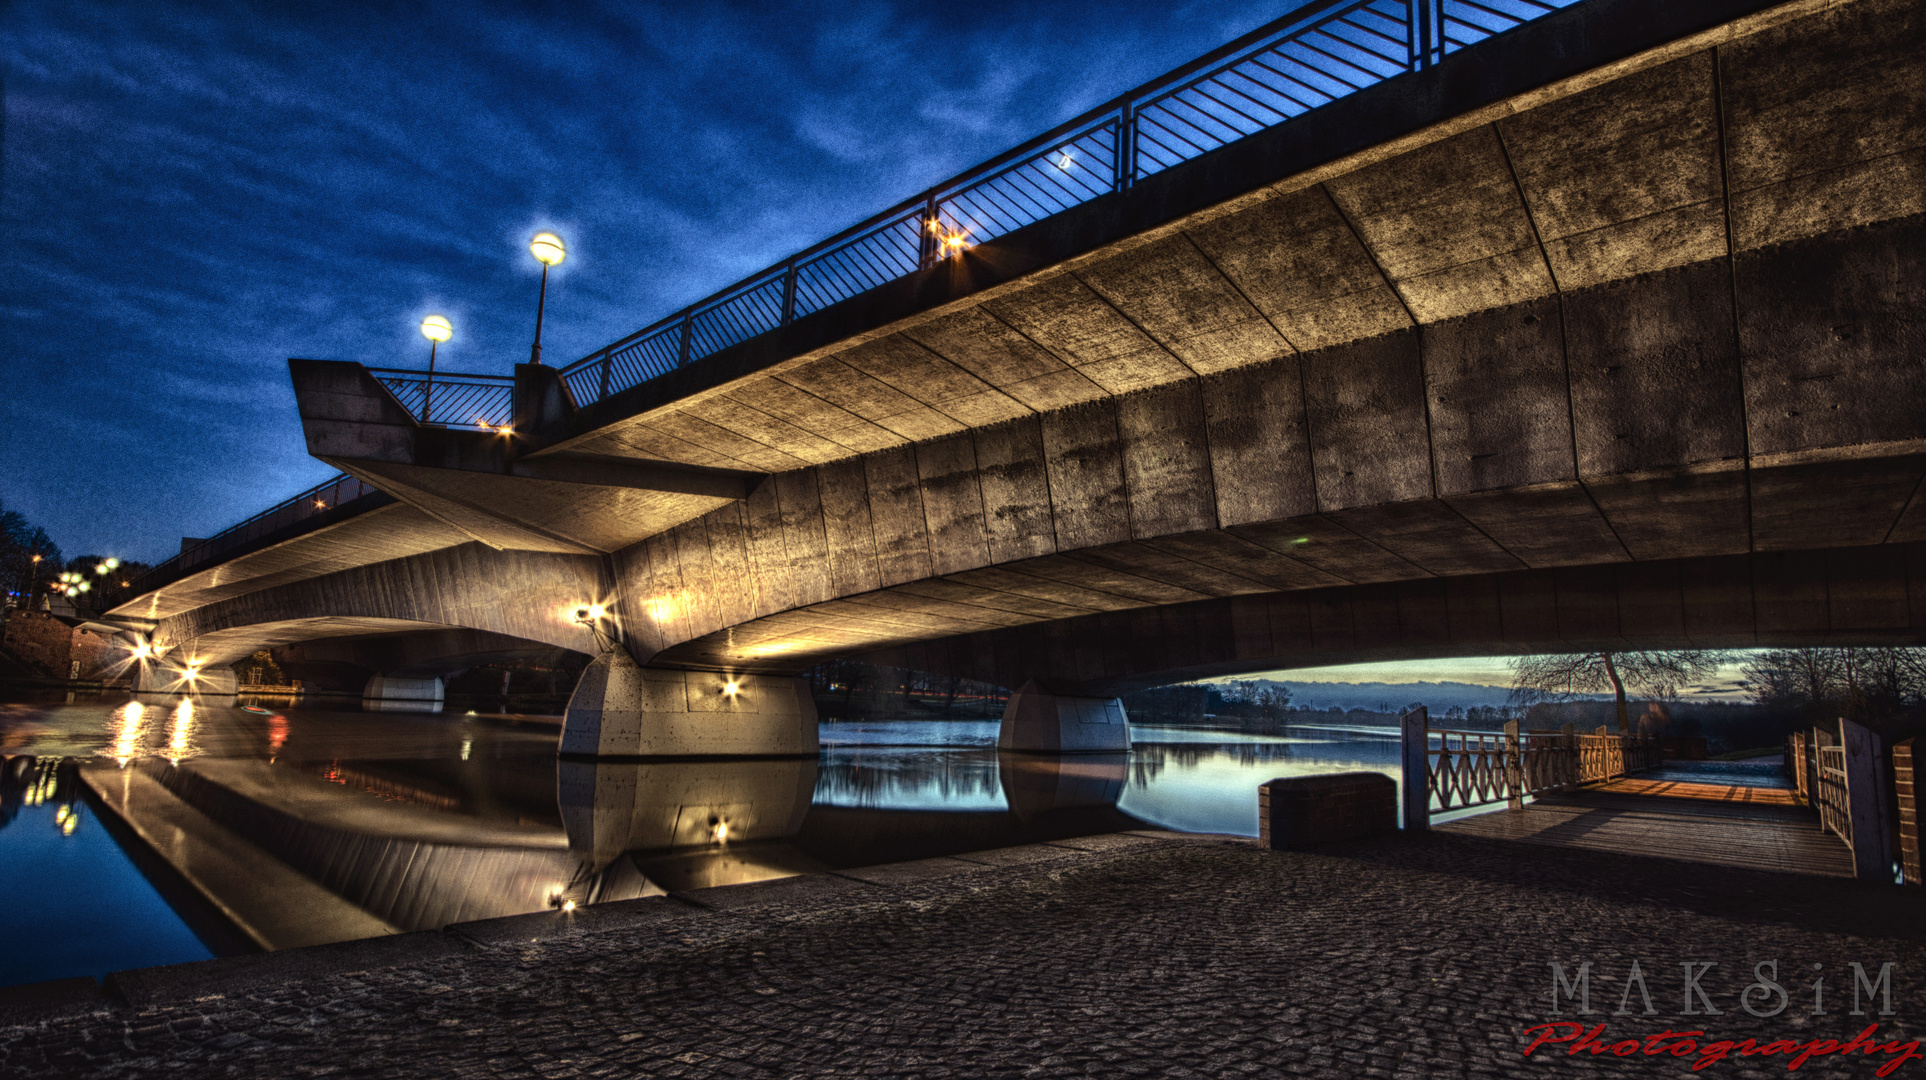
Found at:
[731, 688]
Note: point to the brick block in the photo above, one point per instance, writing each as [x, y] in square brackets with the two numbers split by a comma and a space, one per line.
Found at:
[1299, 811]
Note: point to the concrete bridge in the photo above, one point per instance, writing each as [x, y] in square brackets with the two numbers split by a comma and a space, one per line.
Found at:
[1603, 332]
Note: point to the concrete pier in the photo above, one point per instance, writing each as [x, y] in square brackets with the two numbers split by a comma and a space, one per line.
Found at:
[1041, 722]
[622, 709]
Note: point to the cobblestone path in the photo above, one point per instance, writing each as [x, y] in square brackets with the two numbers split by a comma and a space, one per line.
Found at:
[1150, 956]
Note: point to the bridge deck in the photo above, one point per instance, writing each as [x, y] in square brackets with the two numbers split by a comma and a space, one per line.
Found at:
[1755, 828]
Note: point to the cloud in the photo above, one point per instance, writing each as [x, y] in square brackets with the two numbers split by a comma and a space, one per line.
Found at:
[197, 193]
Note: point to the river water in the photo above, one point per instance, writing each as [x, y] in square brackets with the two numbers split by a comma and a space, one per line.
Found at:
[135, 834]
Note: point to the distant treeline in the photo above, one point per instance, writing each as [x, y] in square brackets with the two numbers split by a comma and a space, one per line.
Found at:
[850, 690]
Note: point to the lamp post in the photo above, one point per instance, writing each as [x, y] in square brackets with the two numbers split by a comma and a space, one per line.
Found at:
[437, 330]
[548, 250]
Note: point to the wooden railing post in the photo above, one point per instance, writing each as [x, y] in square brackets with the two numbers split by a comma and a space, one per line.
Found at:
[1415, 785]
[1906, 792]
[1514, 769]
[1866, 803]
[1569, 762]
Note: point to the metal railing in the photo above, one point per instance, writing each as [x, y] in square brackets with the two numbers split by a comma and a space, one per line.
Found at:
[1313, 56]
[316, 500]
[481, 401]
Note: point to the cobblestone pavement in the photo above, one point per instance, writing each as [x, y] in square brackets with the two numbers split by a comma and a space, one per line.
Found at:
[1147, 957]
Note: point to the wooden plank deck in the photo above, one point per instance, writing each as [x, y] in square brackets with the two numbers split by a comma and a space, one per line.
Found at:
[1753, 828]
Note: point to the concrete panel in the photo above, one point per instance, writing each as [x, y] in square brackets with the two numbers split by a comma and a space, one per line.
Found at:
[896, 509]
[1245, 559]
[1528, 604]
[1866, 589]
[995, 352]
[758, 426]
[1100, 578]
[1840, 86]
[1166, 461]
[1260, 455]
[1016, 490]
[1699, 513]
[952, 504]
[1587, 603]
[1634, 147]
[1063, 315]
[729, 547]
[1158, 564]
[1831, 341]
[1545, 525]
[871, 399]
[1364, 404]
[852, 539]
[1331, 548]
[1831, 504]
[805, 410]
[702, 587]
[1655, 372]
[1173, 292]
[1718, 600]
[1500, 414]
[1649, 244]
[1448, 226]
[776, 591]
[1789, 591]
[1297, 259]
[1650, 604]
[1862, 193]
[1083, 453]
[921, 374]
[1429, 535]
[690, 428]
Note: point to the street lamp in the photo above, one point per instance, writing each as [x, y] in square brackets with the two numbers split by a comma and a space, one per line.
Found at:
[437, 330]
[548, 250]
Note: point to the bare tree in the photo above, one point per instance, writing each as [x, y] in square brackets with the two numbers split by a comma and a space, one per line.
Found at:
[1655, 672]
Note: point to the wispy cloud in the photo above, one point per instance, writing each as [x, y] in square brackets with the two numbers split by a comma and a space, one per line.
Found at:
[195, 193]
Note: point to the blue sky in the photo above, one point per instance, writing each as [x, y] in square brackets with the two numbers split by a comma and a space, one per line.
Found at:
[194, 193]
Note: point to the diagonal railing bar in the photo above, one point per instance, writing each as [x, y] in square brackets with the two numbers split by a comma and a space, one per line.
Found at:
[1310, 57]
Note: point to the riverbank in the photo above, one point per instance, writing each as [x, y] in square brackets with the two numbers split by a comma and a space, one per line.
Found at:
[1129, 954]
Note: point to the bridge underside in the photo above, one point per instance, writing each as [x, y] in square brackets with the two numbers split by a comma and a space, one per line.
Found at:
[1608, 339]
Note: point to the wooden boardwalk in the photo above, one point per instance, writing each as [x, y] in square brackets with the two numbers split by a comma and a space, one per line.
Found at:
[1756, 828]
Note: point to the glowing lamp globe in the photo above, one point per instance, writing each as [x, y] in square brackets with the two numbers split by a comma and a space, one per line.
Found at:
[547, 248]
[437, 329]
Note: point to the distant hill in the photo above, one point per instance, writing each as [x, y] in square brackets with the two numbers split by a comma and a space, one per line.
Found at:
[1392, 697]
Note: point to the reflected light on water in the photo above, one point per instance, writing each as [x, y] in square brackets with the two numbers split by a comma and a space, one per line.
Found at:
[180, 739]
[127, 734]
[277, 735]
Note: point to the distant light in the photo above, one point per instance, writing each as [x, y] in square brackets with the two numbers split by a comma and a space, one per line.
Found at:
[1302, 540]
[437, 329]
[568, 905]
[102, 568]
[84, 586]
[113, 563]
[320, 505]
[505, 429]
[547, 248]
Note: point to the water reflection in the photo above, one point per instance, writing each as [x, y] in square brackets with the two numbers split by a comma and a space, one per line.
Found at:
[424, 821]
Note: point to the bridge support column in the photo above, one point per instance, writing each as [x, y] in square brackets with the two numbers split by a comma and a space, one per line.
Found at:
[386, 693]
[622, 709]
[1038, 721]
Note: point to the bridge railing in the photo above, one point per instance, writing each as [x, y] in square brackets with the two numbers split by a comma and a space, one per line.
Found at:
[1315, 55]
[482, 401]
[1477, 768]
[316, 500]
